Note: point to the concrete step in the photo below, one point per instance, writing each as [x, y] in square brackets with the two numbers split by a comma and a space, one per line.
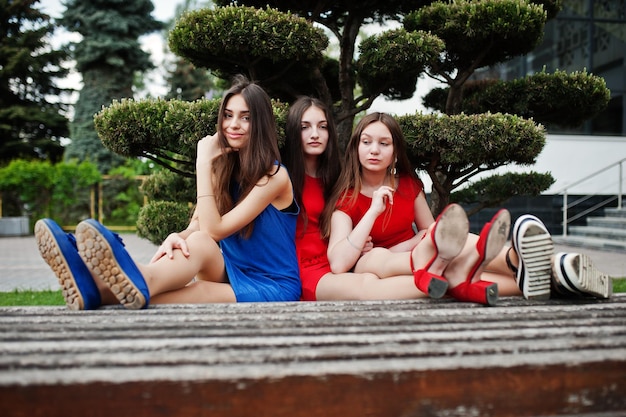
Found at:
[599, 232]
[617, 222]
[615, 212]
[596, 243]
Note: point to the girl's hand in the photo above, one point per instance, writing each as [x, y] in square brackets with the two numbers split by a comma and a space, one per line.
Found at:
[380, 197]
[172, 242]
[368, 246]
[209, 149]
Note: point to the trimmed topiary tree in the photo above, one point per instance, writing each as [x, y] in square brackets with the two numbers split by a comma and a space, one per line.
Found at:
[276, 44]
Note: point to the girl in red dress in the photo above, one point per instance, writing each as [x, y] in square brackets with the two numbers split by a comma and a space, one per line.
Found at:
[380, 201]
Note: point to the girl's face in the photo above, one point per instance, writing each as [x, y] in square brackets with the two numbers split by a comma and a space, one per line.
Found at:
[236, 122]
[375, 149]
[314, 131]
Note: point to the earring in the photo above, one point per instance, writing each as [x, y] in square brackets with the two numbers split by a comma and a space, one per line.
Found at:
[392, 169]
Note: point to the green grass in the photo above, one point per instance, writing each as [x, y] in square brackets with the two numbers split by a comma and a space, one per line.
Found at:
[619, 285]
[31, 298]
[54, 298]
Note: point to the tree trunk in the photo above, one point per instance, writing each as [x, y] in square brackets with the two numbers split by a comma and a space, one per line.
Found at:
[455, 98]
[346, 80]
[439, 196]
[344, 130]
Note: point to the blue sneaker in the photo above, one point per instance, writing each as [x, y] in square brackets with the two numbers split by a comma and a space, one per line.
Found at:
[103, 251]
[59, 251]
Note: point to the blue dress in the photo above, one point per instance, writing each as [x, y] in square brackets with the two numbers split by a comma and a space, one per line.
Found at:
[264, 267]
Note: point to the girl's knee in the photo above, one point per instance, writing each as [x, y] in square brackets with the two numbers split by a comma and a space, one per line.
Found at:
[377, 252]
[200, 237]
[202, 246]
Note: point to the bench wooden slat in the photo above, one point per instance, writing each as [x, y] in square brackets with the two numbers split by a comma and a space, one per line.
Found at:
[398, 358]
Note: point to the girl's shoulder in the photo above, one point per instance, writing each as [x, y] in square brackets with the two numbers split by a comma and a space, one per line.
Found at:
[276, 175]
[279, 173]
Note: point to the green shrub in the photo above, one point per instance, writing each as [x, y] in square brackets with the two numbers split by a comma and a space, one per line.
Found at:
[247, 37]
[157, 219]
[396, 56]
[167, 186]
[495, 190]
[39, 189]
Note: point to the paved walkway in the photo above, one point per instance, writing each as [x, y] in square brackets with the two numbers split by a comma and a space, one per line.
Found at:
[21, 266]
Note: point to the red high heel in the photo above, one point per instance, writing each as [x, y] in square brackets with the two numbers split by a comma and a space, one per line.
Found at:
[491, 240]
[448, 236]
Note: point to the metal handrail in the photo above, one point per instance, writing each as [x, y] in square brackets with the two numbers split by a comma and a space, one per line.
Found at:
[603, 203]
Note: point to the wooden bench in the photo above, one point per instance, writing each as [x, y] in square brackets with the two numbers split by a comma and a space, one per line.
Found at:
[399, 358]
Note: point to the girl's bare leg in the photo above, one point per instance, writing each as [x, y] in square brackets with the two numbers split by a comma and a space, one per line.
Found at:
[384, 263]
[506, 285]
[205, 262]
[459, 268]
[366, 287]
[498, 271]
[499, 265]
[199, 292]
[495, 271]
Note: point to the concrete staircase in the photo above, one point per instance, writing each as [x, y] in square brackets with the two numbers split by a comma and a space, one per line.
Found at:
[601, 233]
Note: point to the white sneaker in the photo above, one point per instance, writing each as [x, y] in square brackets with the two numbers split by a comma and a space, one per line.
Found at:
[533, 244]
[574, 274]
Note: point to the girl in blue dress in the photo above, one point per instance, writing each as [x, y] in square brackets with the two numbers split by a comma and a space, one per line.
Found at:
[239, 245]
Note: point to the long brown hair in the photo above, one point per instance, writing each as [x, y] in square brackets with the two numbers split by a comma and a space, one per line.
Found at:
[350, 181]
[329, 162]
[245, 168]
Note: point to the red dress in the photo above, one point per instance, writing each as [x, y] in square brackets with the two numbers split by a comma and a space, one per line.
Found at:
[310, 246]
[395, 224]
[312, 249]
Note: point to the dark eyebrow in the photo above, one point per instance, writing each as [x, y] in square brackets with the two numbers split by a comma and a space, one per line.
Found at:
[245, 111]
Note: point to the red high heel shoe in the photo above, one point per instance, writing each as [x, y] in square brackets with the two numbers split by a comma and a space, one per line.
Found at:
[491, 240]
[448, 236]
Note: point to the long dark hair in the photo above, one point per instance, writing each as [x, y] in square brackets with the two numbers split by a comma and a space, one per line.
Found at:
[350, 181]
[329, 163]
[257, 159]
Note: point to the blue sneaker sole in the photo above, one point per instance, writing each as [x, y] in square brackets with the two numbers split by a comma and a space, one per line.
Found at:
[77, 285]
[105, 255]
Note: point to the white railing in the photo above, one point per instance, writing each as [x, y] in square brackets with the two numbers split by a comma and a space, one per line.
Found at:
[603, 203]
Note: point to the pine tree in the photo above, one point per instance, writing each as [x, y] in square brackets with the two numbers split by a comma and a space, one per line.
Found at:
[31, 125]
[186, 81]
[109, 56]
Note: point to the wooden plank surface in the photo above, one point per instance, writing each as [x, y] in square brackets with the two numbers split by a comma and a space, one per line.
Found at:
[400, 358]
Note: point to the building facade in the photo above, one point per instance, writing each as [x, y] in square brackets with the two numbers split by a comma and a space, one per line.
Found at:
[586, 34]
